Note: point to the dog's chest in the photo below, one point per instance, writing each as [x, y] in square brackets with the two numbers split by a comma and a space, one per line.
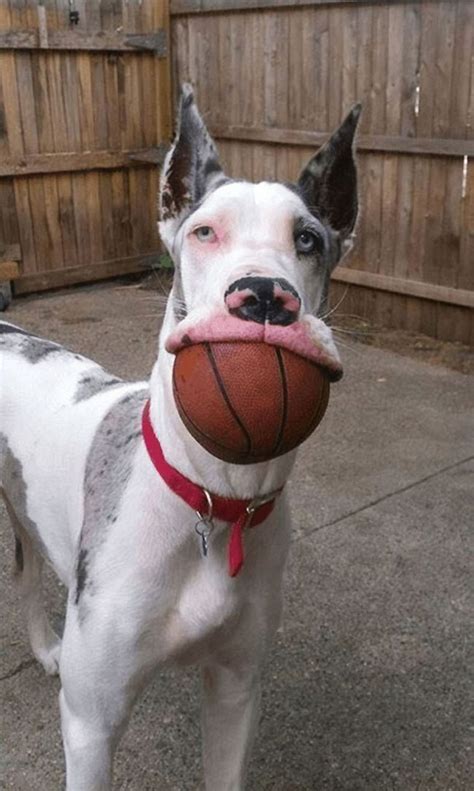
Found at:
[205, 613]
[193, 615]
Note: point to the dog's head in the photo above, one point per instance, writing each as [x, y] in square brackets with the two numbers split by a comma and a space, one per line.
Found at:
[253, 261]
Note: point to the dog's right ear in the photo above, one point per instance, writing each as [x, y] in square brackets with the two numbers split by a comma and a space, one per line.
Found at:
[329, 181]
[191, 166]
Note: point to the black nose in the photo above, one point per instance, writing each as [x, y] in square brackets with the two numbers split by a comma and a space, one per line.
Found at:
[263, 299]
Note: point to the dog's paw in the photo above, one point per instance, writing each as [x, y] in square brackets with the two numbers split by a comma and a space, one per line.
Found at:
[49, 658]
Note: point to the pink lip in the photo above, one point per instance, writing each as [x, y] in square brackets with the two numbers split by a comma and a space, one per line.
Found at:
[295, 337]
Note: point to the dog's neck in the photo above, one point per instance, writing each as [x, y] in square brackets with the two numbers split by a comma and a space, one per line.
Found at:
[184, 453]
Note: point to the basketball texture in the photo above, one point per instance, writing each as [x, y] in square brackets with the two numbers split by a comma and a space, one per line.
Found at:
[248, 402]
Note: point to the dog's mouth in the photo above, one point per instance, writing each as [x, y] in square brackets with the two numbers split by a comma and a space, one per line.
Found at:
[309, 337]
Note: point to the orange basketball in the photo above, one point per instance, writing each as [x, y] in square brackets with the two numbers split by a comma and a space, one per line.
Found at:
[248, 402]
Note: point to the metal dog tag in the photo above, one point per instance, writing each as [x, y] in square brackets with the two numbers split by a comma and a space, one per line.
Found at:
[204, 528]
[205, 524]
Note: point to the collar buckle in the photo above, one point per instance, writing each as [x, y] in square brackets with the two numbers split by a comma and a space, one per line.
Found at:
[255, 504]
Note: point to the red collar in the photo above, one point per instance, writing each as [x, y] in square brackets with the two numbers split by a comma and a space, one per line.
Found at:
[240, 513]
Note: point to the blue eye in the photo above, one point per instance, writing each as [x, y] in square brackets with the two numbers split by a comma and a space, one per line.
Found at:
[307, 242]
[205, 234]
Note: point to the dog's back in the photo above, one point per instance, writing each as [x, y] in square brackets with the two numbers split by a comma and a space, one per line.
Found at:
[51, 403]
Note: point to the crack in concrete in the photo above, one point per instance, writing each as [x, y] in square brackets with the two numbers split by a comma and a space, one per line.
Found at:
[18, 669]
[381, 499]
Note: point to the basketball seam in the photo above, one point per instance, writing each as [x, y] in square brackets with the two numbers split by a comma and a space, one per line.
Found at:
[226, 397]
[318, 409]
[199, 430]
[281, 366]
[315, 418]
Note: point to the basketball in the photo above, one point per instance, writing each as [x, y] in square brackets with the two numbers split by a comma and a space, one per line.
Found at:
[248, 402]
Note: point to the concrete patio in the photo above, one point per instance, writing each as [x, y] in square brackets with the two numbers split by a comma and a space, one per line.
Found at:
[369, 685]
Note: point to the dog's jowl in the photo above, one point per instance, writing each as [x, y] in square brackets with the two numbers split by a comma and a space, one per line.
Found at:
[102, 479]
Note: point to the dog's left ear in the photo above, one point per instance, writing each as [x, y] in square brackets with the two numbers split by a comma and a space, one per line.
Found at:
[329, 180]
[192, 165]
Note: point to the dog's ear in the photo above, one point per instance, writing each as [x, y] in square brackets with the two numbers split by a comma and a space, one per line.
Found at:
[329, 180]
[192, 166]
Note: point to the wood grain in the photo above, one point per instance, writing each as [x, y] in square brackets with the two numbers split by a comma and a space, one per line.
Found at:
[80, 108]
[9, 270]
[69, 40]
[85, 273]
[276, 78]
[413, 288]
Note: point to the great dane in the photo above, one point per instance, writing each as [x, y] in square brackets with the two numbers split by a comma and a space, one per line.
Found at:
[85, 492]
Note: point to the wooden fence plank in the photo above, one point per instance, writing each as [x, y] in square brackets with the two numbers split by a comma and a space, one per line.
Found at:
[425, 320]
[10, 252]
[95, 222]
[376, 88]
[69, 162]
[444, 71]
[25, 225]
[388, 143]
[212, 6]
[335, 27]
[413, 288]
[465, 277]
[160, 18]
[66, 218]
[11, 105]
[58, 278]
[103, 41]
[9, 233]
[56, 252]
[9, 270]
[462, 97]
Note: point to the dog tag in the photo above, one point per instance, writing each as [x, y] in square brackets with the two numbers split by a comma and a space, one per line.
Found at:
[204, 528]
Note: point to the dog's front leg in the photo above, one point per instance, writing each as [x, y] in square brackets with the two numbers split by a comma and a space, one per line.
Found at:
[230, 713]
[231, 674]
[89, 746]
[94, 716]
[102, 675]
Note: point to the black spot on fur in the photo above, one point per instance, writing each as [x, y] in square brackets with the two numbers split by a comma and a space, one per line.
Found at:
[211, 166]
[6, 329]
[134, 435]
[93, 383]
[81, 573]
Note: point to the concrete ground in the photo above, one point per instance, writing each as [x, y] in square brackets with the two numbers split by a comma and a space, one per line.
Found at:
[368, 686]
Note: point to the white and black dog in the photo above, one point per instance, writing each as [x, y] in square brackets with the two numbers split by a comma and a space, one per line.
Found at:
[81, 483]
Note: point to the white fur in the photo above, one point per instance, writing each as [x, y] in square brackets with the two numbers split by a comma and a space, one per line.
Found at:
[153, 598]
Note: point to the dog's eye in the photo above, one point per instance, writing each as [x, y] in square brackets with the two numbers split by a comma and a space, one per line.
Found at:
[205, 234]
[308, 242]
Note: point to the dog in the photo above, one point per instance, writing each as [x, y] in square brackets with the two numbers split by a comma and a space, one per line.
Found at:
[147, 579]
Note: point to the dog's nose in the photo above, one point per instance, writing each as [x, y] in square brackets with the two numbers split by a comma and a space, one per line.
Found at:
[263, 299]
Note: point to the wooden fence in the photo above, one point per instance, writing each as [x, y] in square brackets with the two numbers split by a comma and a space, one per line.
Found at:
[85, 116]
[273, 78]
[84, 107]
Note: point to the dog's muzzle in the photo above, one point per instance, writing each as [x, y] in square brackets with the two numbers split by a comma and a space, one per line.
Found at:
[265, 300]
